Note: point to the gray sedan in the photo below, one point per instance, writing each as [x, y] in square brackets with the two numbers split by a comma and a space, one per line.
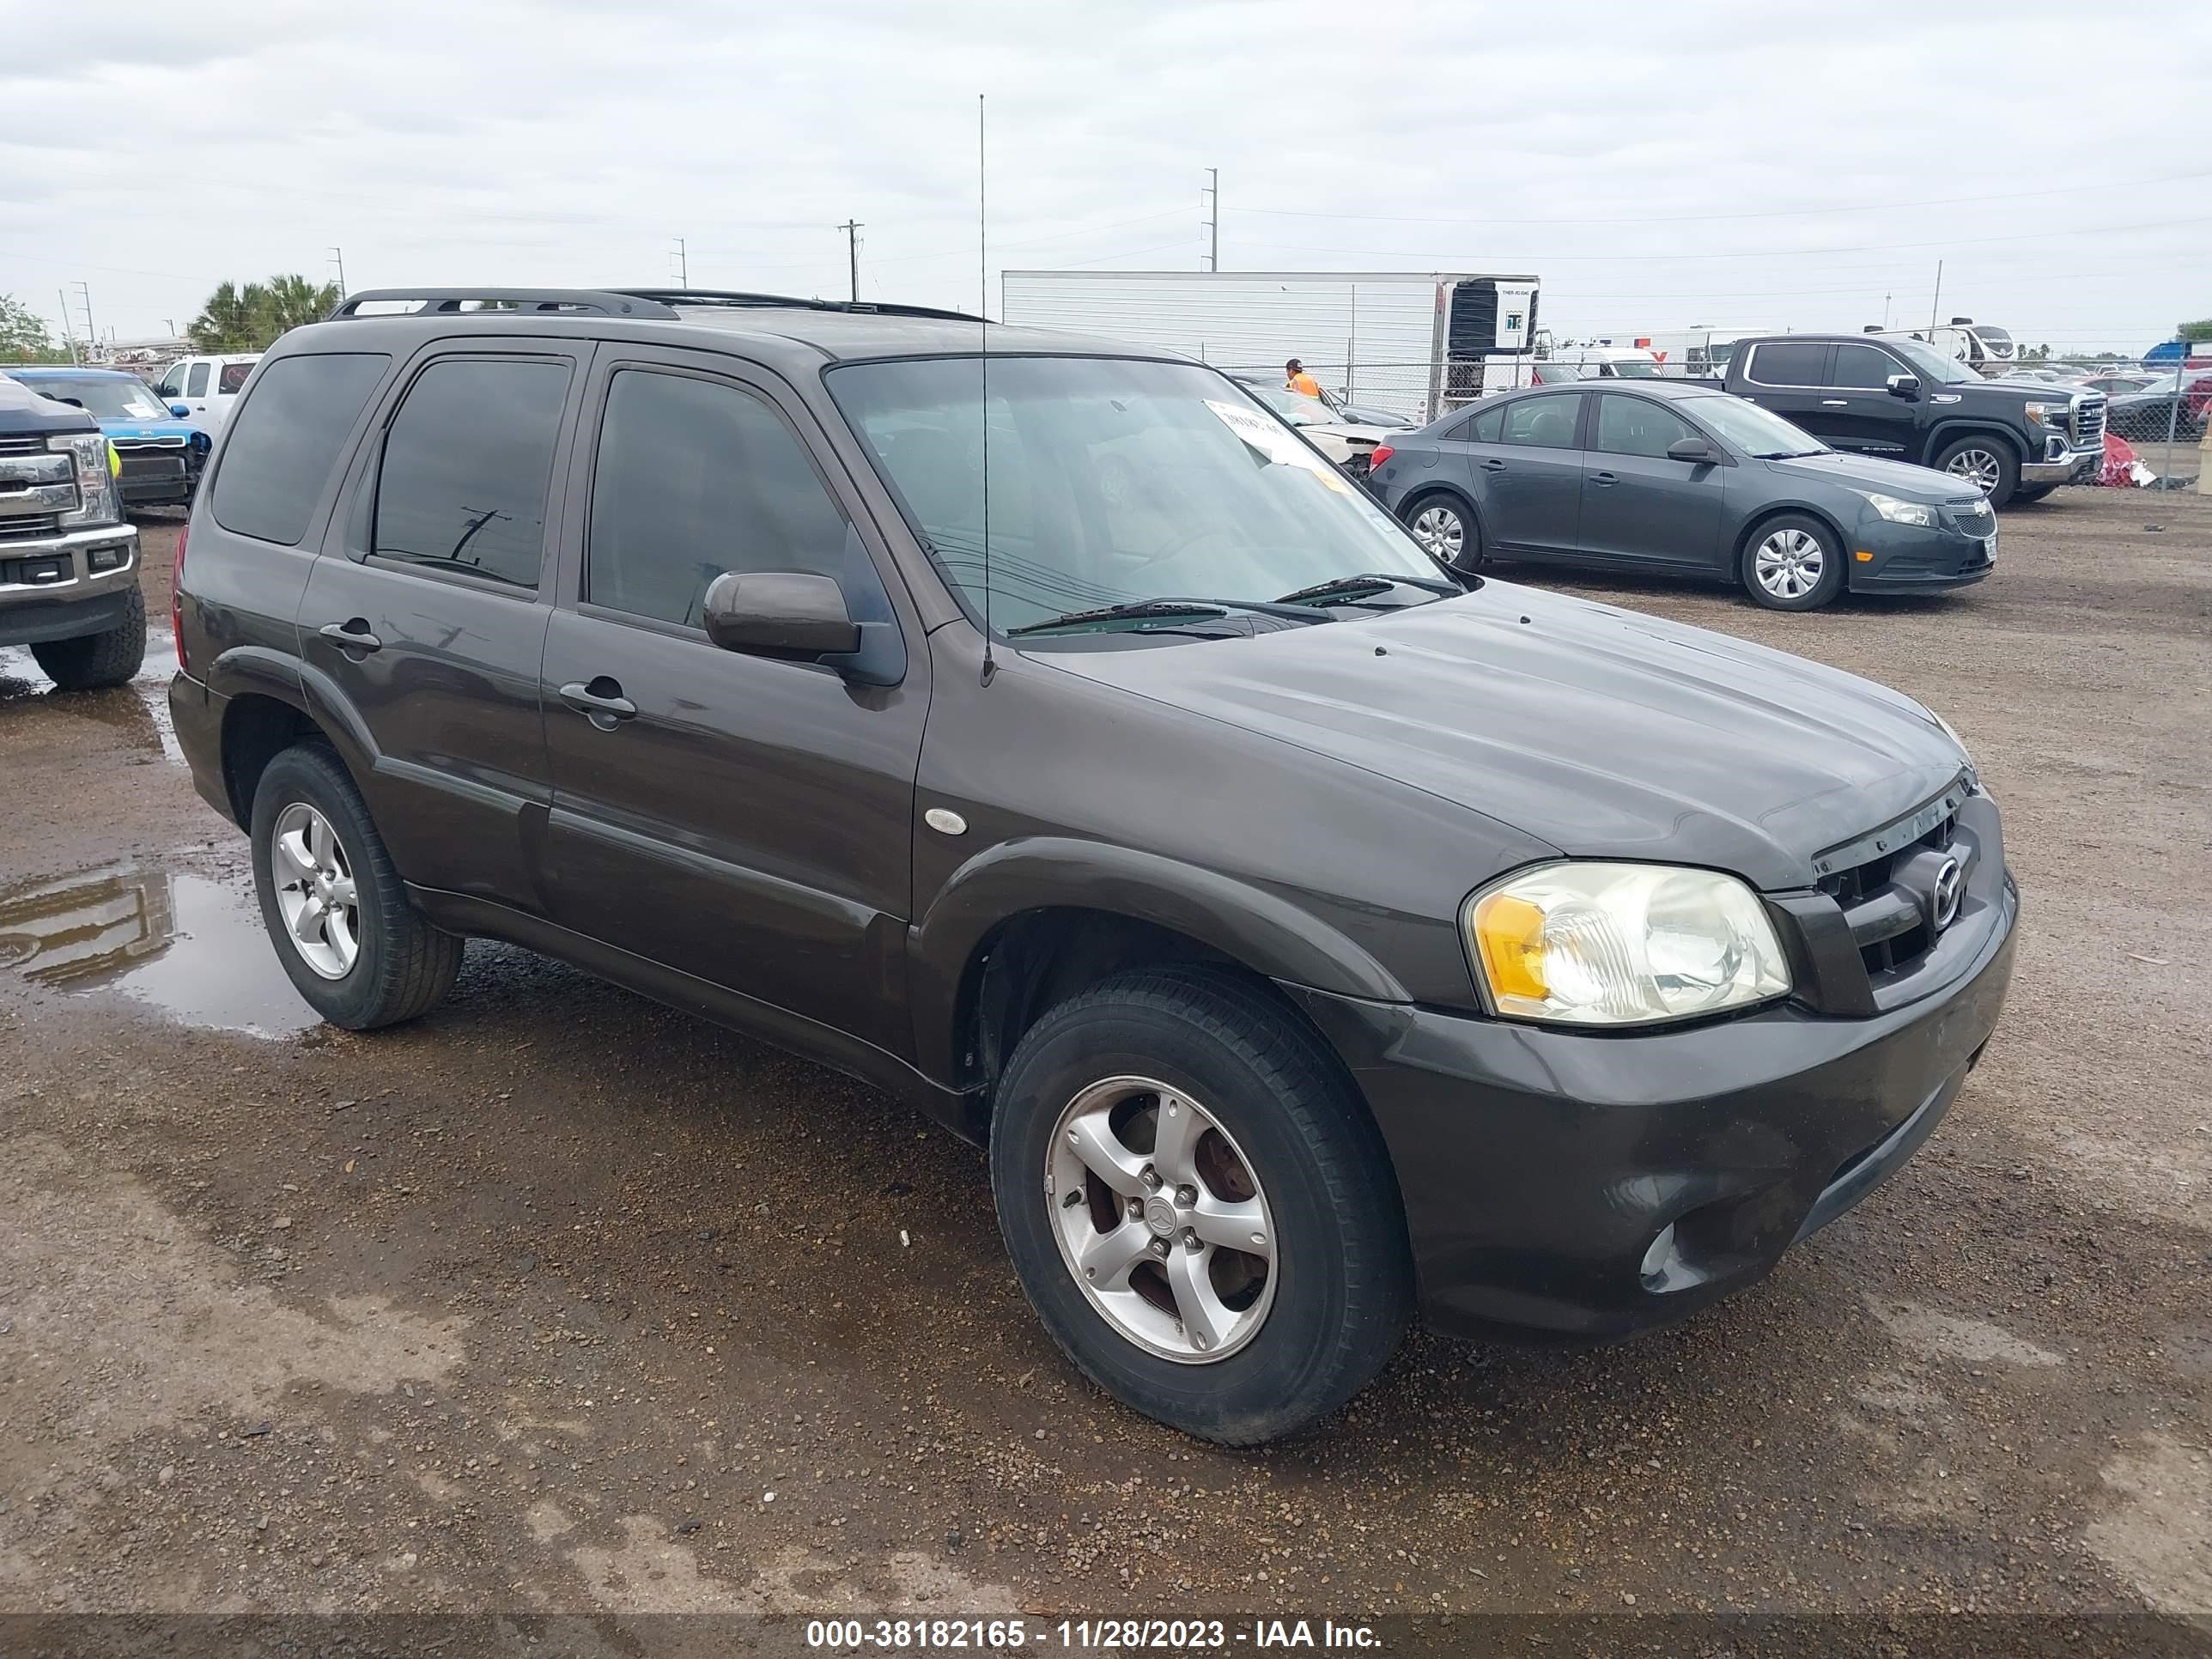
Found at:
[1680, 478]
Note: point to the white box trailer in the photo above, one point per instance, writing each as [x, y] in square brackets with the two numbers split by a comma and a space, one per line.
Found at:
[1418, 342]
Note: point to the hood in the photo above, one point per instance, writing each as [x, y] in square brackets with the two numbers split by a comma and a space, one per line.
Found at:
[1899, 479]
[119, 430]
[1601, 732]
[22, 410]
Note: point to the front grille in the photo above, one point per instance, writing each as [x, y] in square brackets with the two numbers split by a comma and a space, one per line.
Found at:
[1971, 517]
[1885, 920]
[128, 445]
[30, 526]
[137, 465]
[2089, 424]
[30, 445]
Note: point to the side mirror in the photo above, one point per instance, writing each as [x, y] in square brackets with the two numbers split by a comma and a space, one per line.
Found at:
[1903, 386]
[1696, 451]
[180, 410]
[780, 613]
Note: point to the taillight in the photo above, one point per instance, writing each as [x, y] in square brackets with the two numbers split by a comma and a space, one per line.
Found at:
[177, 595]
[1381, 453]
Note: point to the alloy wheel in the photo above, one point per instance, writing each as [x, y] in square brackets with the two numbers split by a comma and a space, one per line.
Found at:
[1978, 467]
[315, 892]
[1441, 530]
[1160, 1219]
[1789, 563]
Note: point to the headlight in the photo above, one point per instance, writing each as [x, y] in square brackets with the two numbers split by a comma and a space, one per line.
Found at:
[1898, 512]
[90, 454]
[2046, 414]
[1590, 943]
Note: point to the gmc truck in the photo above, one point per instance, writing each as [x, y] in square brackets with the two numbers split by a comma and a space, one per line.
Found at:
[1905, 401]
[69, 563]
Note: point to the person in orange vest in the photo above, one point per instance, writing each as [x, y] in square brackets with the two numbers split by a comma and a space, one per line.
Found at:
[1294, 376]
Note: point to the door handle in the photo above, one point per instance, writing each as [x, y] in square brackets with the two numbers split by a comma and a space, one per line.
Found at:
[1493, 464]
[599, 701]
[1602, 477]
[352, 634]
[1835, 402]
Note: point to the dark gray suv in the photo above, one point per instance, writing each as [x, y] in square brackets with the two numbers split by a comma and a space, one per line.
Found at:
[1311, 936]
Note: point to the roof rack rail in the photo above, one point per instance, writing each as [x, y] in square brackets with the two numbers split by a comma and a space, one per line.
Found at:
[541, 301]
[716, 296]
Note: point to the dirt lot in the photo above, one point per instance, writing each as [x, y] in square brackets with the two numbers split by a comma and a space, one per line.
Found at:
[559, 1302]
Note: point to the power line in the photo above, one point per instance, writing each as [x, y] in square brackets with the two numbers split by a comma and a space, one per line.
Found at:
[1711, 218]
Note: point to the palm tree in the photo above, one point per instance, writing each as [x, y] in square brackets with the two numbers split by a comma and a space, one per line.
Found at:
[227, 321]
[293, 301]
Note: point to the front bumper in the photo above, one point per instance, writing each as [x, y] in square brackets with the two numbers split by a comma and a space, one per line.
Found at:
[2073, 466]
[1594, 1186]
[49, 590]
[1914, 558]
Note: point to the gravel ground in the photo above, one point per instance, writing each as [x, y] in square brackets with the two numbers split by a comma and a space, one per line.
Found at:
[561, 1304]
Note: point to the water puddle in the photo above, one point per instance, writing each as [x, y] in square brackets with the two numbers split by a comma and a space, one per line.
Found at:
[140, 710]
[191, 948]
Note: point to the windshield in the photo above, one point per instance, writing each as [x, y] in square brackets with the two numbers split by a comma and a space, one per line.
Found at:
[1293, 406]
[1111, 481]
[1930, 364]
[104, 400]
[1994, 337]
[1634, 368]
[1758, 433]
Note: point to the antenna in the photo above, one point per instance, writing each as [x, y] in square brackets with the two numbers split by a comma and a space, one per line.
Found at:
[983, 369]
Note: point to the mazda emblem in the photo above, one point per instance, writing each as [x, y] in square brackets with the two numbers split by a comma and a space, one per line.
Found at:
[1950, 888]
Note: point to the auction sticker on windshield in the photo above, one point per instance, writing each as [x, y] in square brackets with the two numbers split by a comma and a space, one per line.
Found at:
[1277, 442]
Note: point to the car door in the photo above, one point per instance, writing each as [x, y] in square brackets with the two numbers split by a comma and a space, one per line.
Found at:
[1790, 377]
[425, 630]
[745, 820]
[1638, 506]
[199, 372]
[1862, 413]
[1527, 484]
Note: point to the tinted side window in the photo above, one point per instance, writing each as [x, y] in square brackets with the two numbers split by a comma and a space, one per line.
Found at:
[196, 386]
[1483, 428]
[466, 464]
[695, 477]
[1543, 422]
[233, 377]
[1783, 363]
[284, 440]
[1862, 367]
[1637, 426]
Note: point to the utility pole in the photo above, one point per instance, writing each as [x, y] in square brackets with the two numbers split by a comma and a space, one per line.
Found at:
[852, 229]
[68, 329]
[1214, 224]
[338, 255]
[91, 330]
[1936, 305]
[683, 264]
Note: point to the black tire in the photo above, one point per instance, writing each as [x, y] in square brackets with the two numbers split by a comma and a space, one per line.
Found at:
[404, 965]
[1342, 1294]
[1470, 557]
[2000, 452]
[2032, 492]
[1778, 529]
[96, 660]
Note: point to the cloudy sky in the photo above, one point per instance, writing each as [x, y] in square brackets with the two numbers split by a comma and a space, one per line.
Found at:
[1768, 165]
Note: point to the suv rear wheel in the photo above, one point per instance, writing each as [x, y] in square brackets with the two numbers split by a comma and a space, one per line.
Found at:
[1989, 464]
[1198, 1205]
[91, 660]
[354, 945]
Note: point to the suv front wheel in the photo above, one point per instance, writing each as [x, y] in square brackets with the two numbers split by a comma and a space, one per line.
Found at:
[1989, 464]
[352, 945]
[1199, 1208]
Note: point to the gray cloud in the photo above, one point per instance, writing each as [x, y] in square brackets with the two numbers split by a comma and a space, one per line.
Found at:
[1596, 143]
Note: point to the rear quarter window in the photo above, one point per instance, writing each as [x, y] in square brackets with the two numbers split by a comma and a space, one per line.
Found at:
[284, 440]
[233, 377]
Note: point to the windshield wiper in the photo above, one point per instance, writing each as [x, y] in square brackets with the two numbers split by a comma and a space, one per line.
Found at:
[1139, 609]
[1376, 582]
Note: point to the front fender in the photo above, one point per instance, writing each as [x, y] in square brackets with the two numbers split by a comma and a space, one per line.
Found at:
[1260, 928]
